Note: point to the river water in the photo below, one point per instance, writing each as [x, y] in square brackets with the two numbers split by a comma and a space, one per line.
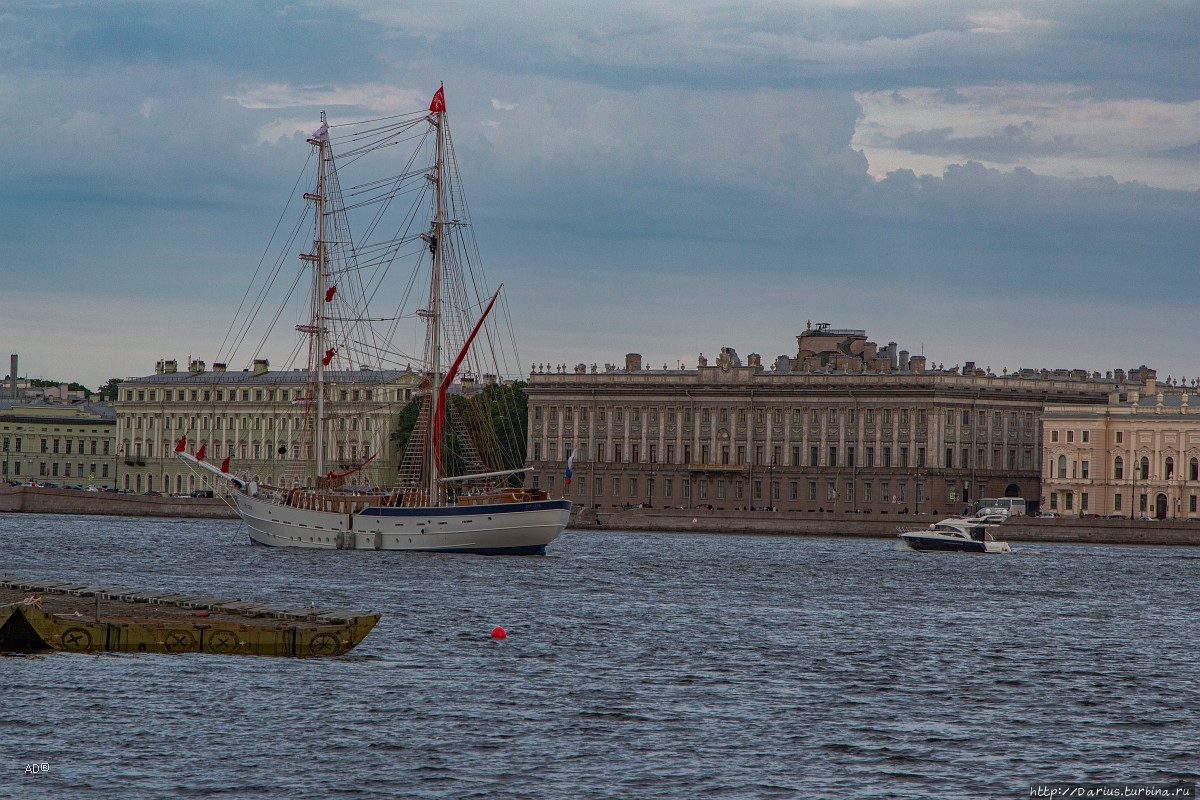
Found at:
[636, 666]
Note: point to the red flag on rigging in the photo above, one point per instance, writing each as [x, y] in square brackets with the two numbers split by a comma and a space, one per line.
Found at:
[225, 465]
[200, 453]
[181, 444]
[329, 293]
[439, 101]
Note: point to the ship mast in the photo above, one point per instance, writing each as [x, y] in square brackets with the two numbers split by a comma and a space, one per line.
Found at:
[433, 466]
[319, 259]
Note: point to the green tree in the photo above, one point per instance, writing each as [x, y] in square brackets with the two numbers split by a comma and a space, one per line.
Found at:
[494, 419]
[109, 390]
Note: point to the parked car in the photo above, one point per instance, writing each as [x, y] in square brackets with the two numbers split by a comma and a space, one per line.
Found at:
[202, 493]
[1048, 515]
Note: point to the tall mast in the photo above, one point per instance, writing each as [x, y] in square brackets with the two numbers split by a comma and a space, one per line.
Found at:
[320, 262]
[437, 118]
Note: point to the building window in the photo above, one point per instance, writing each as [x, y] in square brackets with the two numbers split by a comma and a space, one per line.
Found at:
[1070, 436]
[814, 456]
[1083, 502]
[867, 492]
[1084, 470]
[1068, 501]
[1118, 469]
[903, 457]
[1085, 437]
[1053, 501]
[1053, 436]
[1120, 437]
[832, 456]
[887, 457]
[720, 488]
[1117, 501]
[668, 486]
[795, 490]
[812, 491]
[870, 456]
[1062, 467]
[949, 456]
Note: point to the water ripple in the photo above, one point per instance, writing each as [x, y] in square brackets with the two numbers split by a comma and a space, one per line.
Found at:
[636, 666]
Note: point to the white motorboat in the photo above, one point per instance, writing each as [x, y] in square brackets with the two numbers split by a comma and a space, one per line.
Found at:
[957, 534]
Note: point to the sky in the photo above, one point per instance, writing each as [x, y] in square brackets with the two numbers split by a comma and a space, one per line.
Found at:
[1011, 183]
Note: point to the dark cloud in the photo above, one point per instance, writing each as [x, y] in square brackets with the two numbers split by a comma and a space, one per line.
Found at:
[1011, 144]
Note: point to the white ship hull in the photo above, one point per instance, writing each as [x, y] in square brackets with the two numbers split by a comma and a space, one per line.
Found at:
[501, 528]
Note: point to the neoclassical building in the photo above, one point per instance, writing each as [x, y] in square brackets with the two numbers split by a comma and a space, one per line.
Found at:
[1136, 456]
[256, 417]
[844, 425]
[58, 442]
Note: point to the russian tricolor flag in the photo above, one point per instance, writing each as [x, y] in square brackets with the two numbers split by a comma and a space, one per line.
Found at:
[570, 463]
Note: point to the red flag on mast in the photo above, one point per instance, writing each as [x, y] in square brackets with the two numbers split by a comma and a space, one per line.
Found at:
[200, 453]
[225, 465]
[439, 101]
[181, 444]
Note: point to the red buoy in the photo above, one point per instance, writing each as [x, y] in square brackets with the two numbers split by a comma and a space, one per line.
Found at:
[499, 633]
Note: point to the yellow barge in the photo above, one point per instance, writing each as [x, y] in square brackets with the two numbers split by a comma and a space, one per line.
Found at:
[38, 616]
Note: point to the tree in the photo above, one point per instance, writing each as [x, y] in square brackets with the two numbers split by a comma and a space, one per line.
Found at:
[110, 390]
[494, 419]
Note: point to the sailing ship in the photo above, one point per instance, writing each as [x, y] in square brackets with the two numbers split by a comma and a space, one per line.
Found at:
[458, 483]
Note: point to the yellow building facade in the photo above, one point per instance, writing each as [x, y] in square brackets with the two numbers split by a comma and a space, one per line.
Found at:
[257, 418]
[1138, 456]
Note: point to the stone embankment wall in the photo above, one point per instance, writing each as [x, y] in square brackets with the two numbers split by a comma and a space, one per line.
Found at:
[791, 523]
[38, 500]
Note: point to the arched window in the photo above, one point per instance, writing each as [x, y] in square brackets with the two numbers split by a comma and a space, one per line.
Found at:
[1118, 469]
[1194, 469]
[1144, 469]
[1062, 466]
[1169, 468]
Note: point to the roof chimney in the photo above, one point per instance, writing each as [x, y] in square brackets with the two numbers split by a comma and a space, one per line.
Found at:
[261, 366]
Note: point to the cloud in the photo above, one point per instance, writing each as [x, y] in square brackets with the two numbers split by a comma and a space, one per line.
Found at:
[1013, 143]
[499, 105]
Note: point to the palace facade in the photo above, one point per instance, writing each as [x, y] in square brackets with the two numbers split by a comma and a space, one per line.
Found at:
[256, 418]
[64, 443]
[845, 425]
[1138, 456]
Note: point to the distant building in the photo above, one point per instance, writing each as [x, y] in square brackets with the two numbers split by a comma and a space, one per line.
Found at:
[844, 425]
[70, 444]
[256, 418]
[1136, 456]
